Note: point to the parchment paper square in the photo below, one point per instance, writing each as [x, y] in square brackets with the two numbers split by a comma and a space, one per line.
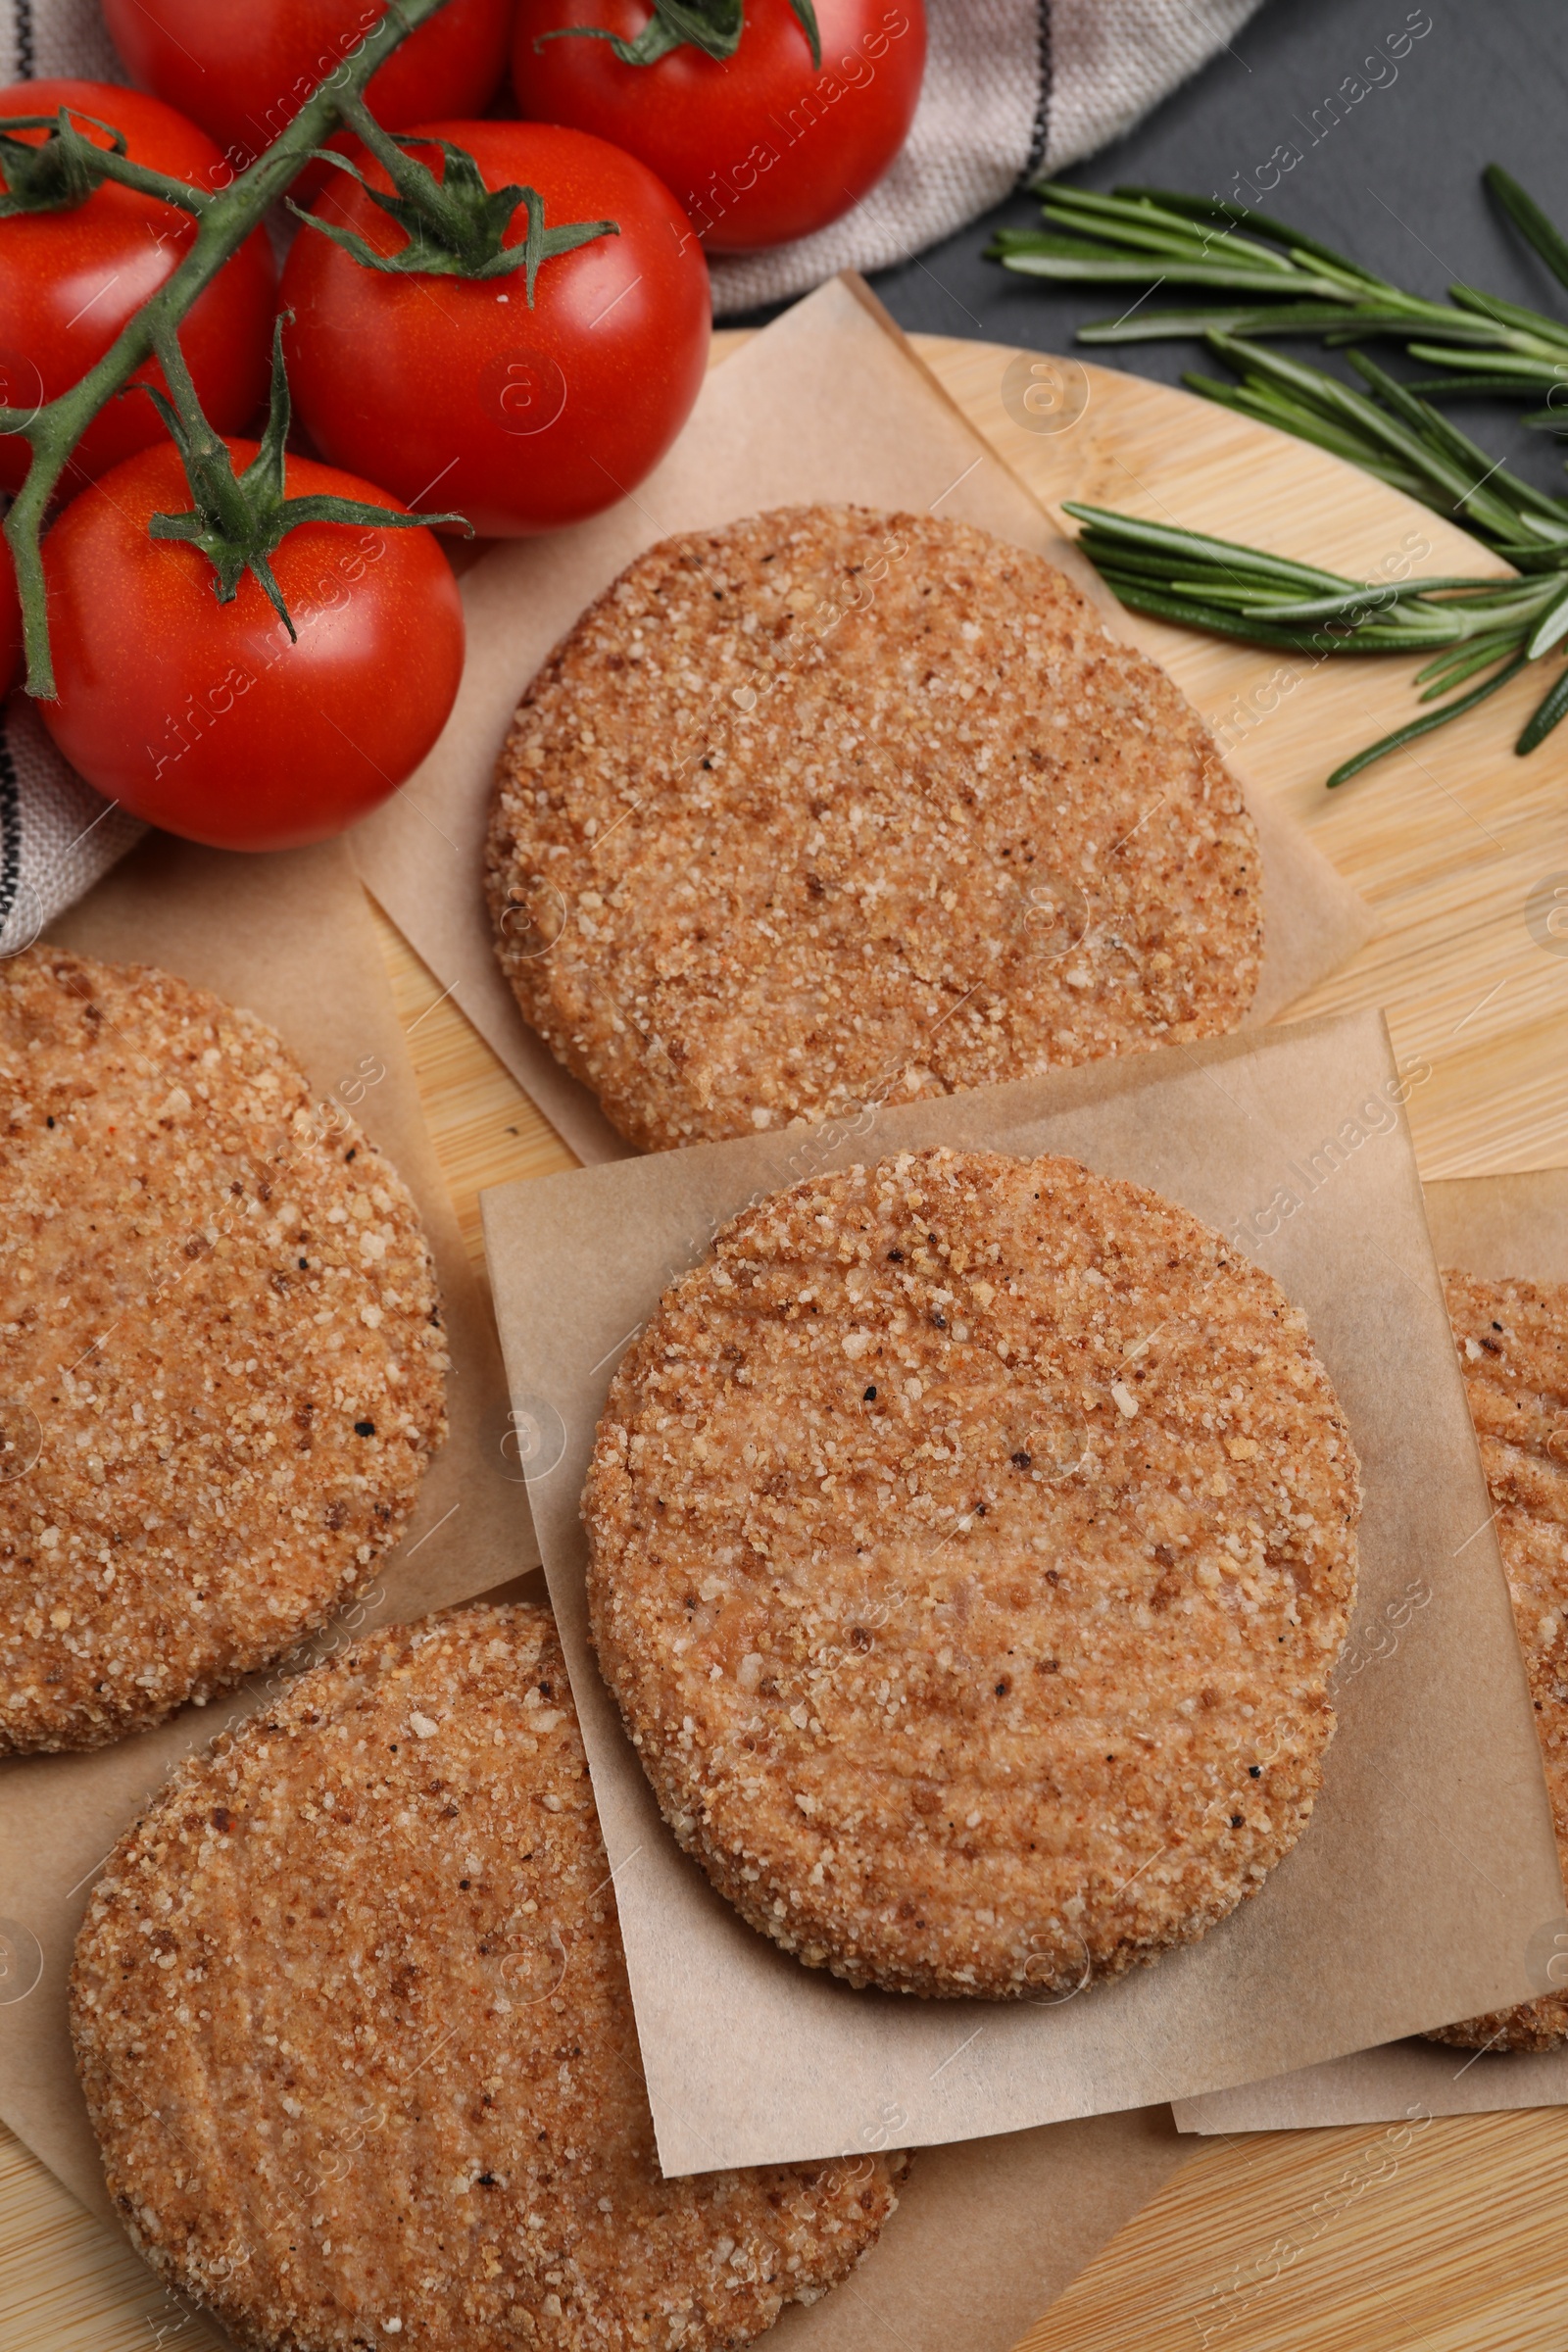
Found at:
[1429, 1868]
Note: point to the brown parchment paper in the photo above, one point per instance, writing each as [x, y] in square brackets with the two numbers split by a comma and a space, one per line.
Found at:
[987, 2234]
[828, 403]
[1428, 1866]
[1491, 1225]
[290, 937]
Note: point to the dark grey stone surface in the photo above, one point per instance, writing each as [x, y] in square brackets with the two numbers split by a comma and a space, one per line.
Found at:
[1395, 183]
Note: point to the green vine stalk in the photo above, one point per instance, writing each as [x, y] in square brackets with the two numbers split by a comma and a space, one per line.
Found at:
[225, 220]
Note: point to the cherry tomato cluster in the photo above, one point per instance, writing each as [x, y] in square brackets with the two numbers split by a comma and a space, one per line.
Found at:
[496, 321]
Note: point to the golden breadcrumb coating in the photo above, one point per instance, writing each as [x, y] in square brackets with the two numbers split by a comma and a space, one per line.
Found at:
[971, 1541]
[830, 805]
[1513, 1343]
[221, 1368]
[352, 2022]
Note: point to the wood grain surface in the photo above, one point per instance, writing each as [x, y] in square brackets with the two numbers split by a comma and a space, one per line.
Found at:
[1447, 2236]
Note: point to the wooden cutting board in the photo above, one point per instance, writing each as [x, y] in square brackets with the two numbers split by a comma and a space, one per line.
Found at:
[1312, 2241]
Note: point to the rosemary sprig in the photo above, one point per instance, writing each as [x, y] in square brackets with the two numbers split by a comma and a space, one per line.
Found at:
[1480, 628]
[1234, 590]
[1293, 284]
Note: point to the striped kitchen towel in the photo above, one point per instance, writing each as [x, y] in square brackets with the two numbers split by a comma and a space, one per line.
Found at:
[57, 835]
[1014, 90]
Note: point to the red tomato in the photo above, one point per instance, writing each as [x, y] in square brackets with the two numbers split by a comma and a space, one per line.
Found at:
[70, 281]
[760, 148]
[454, 393]
[10, 624]
[202, 717]
[242, 68]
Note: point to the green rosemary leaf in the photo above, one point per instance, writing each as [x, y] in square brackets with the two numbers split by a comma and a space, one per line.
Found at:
[1451, 670]
[1326, 395]
[1204, 208]
[1529, 219]
[1550, 628]
[1432, 320]
[1282, 319]
[1417, 727]
[1248, 601]
[1527, 555]
[1545, 715]
[1069, 249]
[1163, 604]
[1427, 621]
[1140, 533]
[1004, 240]
[1414, 622]
[1066, 260]
[1139, 597]
[1513, 315]
[1154, 230]
[1486, 386]
[1517, 367]
[1110, 558]
[1271, 405]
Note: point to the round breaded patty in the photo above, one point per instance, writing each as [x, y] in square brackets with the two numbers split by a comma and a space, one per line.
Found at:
[1513, 1343]
[220, 1362]
[971, 1542]
[352, 2018]
[830, 807]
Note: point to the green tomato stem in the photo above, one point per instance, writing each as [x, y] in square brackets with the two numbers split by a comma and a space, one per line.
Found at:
[455, 226]
[239, 521]
[67, 170]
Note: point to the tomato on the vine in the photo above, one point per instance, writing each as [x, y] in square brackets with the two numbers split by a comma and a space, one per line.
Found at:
[10, 624]
[760, 146]
[72, 277]
[242, 68]
[452, 390]
[202, 717]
